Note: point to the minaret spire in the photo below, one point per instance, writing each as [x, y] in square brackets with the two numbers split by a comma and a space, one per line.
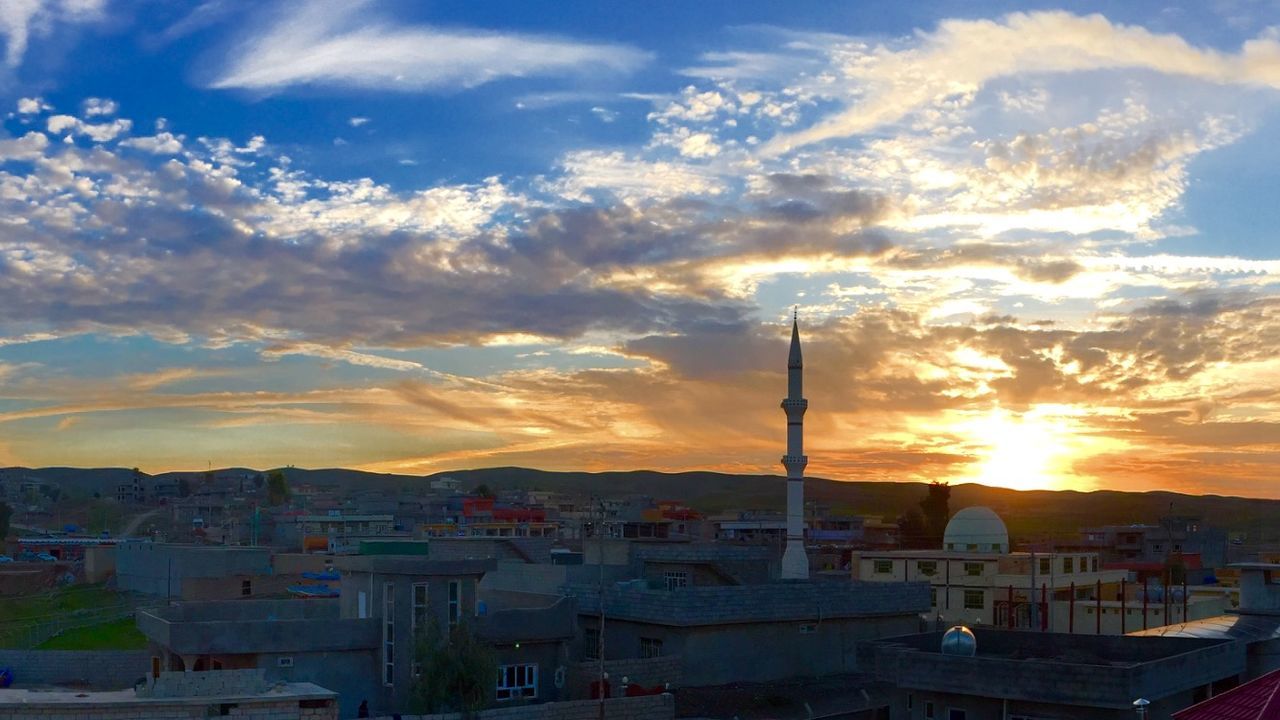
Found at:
[795, 563]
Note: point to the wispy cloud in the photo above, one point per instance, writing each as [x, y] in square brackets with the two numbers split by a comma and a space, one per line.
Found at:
[340, 45]
[21, 20]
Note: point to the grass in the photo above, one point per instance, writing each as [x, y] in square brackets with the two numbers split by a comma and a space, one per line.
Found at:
[57, 603]
[120, 634]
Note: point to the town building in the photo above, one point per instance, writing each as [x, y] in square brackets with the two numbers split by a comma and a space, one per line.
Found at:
[1258, 699]
[976, 580]
[362, 644]
[1255, 624]
[177, 696]
[1010, 675]
[746, 633]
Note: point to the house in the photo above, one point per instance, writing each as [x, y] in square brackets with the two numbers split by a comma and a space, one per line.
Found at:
[746, 633]
[1011, 674]
[362, 644]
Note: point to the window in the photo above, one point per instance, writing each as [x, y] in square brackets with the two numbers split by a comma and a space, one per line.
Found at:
[808, 629]
[928, 568]
[1157, 547]
[455, 602]
[1045, 566]
[910, 701]
[883, 567]
[362, 605]
[933, 596]
[650, 647]
[1068, 565]
[973, 568]
[676, 579]
[388, 633]
[928, 711]
[284, 662]
[418, 623]
[591, 644]
[955, 714]
[517, 681]
[974, 600]
[1093, 563]
[246, 587]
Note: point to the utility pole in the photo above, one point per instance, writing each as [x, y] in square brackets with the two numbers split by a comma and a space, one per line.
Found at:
[600, 631]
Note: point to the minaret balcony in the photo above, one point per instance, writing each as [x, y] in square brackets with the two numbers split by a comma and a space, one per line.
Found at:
[795, 403]
[800, 460]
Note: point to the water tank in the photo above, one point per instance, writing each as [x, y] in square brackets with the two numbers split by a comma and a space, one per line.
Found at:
[960, 641]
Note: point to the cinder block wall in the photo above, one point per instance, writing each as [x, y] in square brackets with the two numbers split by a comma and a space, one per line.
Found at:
[96, 669]
[649, 707]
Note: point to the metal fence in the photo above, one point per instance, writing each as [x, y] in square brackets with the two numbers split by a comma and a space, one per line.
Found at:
[31, 631]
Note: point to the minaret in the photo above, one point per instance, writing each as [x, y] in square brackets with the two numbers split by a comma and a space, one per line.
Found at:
[795, 563]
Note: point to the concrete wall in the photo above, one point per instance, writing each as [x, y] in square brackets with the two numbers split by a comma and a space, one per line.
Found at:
[755, 652]
[651, 707]
[914, 705]
[159, 568]
[99, 563]
[647, 672]
[175, 709]
[98, 670]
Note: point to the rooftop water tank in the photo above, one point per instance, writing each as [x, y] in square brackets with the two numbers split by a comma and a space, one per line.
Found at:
[960, 641]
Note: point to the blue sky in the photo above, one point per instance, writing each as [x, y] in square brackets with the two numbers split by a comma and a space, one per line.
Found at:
[1031, 245]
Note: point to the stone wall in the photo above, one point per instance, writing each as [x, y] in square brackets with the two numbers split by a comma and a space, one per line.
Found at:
[650, 707]
[640, 671]
[98, 670]
[174, 710]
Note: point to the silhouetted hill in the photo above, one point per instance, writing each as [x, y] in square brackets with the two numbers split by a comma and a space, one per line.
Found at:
[1028, 514]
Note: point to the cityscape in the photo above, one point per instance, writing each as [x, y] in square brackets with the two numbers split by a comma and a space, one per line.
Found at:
[572, 361]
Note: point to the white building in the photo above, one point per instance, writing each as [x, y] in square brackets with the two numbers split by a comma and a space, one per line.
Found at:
[977, 580]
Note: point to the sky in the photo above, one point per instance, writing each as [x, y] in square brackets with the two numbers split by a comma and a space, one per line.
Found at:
[1028, 246]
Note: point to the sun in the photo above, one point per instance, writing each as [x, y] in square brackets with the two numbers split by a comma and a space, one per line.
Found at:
[1026, 451]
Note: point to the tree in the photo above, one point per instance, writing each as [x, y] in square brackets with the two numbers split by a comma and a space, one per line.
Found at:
[912, 531]
[184, 487]
[457, 674]
[5, 513]
[258, 480]
[277, 488]
[937, 511]
[483, 491]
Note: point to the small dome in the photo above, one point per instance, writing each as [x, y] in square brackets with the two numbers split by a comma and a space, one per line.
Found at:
[959, 640]
[976, 529]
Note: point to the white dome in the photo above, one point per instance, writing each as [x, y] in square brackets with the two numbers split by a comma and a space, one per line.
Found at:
[976, 529]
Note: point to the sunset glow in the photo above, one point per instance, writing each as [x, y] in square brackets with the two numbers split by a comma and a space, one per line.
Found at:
[1028, 249]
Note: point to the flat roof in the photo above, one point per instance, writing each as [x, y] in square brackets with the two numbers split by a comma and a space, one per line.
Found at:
[11, 698]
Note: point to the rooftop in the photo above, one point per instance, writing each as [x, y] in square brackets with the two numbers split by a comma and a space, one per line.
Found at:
[772, 602]
[1258, 699]
[1074, 670]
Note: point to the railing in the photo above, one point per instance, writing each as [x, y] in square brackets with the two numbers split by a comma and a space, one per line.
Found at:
[29, 632]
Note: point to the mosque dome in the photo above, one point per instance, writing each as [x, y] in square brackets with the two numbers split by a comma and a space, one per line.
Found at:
[976, 529]
[959, 640]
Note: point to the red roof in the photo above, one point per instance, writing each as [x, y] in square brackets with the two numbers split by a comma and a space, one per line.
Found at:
[1257, 699]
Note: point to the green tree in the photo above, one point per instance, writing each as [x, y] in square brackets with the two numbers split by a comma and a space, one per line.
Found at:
[277, 488]
[937, 511]
[5, 513]
[457, 674]
[483, 491]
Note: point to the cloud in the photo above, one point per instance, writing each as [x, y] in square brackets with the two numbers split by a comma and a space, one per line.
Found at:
[32, 106]
[327, 46]
[962, 56]
[21, 20]
[357, 121]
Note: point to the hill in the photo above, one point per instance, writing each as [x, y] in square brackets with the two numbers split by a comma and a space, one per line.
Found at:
[1029, 514]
